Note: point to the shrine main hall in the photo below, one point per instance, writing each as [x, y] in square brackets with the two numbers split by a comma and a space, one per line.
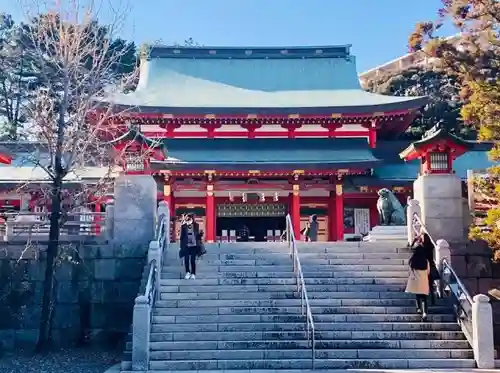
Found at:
[248, 135]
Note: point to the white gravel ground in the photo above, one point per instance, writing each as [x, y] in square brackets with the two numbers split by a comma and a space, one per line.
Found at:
[75, 360]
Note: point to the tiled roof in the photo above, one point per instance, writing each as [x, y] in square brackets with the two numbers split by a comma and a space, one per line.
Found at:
[268, 154]
[472, 160]
[211, 80]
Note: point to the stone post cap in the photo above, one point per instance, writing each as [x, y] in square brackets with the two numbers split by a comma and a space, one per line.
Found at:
[154, 245]
[442, 244]
[413, 202]
[481, 298]
[141, 299]
[162, 204]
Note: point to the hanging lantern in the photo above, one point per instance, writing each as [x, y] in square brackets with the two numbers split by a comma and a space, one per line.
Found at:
[244, 197]
[276, 197]
[262, 197]
[231, 197]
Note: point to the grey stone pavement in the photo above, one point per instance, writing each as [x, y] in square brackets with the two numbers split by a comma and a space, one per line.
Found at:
[61, 361]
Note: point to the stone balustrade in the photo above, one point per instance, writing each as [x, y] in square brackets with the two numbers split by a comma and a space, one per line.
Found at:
[475, 311]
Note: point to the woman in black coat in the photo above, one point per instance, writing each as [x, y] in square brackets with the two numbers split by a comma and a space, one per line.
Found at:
[191, 245]
[428, 248]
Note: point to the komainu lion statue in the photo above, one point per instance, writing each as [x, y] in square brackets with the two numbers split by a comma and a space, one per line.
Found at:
[390, 210]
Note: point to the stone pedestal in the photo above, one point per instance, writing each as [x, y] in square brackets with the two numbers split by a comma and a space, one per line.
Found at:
[440, 197]
[135, 211]
[388, 232]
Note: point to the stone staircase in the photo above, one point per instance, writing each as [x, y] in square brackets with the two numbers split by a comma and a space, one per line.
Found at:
[242, 312]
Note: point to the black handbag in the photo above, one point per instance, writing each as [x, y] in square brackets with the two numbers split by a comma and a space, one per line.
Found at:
[434, 273]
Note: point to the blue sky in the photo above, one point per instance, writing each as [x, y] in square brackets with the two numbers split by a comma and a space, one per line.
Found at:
[377, 29]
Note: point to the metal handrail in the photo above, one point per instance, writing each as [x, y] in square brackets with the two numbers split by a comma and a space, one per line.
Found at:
[451, 284]
[150, 290]
[301, 288]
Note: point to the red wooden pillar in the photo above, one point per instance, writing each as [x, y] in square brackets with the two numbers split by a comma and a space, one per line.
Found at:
[168, 198]
[97, 218]
[373, 213]
[295, 211]
[210, 215]
[332, 217]
[339, 212]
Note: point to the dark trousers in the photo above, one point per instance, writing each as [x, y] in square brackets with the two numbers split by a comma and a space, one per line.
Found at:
[421, 300]
[190, 258]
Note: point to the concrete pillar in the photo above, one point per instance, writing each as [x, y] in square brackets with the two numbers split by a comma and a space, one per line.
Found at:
[141, 329]
[440, 197]
[482, 332]
[413, 207]
[135, 210]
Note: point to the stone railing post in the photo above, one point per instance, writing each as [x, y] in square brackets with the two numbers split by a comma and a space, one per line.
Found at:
[9, 230]
[412, 208]
[141, 328]
[110, 220]
[154, 253]
[482, 332]
[442, 251]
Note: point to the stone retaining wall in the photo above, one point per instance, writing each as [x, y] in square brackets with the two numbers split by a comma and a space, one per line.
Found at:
[96, 284]
[472, 263]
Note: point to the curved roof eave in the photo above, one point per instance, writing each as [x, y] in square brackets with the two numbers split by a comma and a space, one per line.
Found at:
[411, 103]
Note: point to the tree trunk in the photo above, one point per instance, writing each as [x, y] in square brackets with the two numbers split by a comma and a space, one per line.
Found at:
[52, 251]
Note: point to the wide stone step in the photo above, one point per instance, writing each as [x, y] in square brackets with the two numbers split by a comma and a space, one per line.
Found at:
[305, 260]
[306, 354]
[299, 326]
[183, 284]
[175, 295]
[300, 335]
[403, 273]
[167, 302]
[316, 310]
[289, 288]
[274, 318]
[304, 344]
[358, 288]
[306, 364]
[306, 267]
[310, 255]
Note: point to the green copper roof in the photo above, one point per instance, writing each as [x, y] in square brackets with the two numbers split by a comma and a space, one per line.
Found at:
[472, 160]
[213, 80]
[267, 154]
[436, 133]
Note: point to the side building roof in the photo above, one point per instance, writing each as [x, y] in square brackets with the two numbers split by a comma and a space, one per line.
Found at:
[223, 80]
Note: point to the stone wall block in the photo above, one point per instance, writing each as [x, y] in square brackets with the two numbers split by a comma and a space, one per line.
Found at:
[128, 291]
[105, 269]
[67, 317]
[8, 319]
[65, 271]
[97, 292]
[67, 292]
[130, 250]
[29, 317]
[7, 339]
[130, 268]
[26, 338]
[36, 270]
[135, 209]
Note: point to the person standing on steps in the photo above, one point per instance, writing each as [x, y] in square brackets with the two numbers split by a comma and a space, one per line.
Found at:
[418, 280]
[313, 229]
[190, 245]
[428, 248]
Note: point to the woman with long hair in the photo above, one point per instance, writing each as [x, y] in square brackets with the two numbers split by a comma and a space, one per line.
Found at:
[418, 280]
